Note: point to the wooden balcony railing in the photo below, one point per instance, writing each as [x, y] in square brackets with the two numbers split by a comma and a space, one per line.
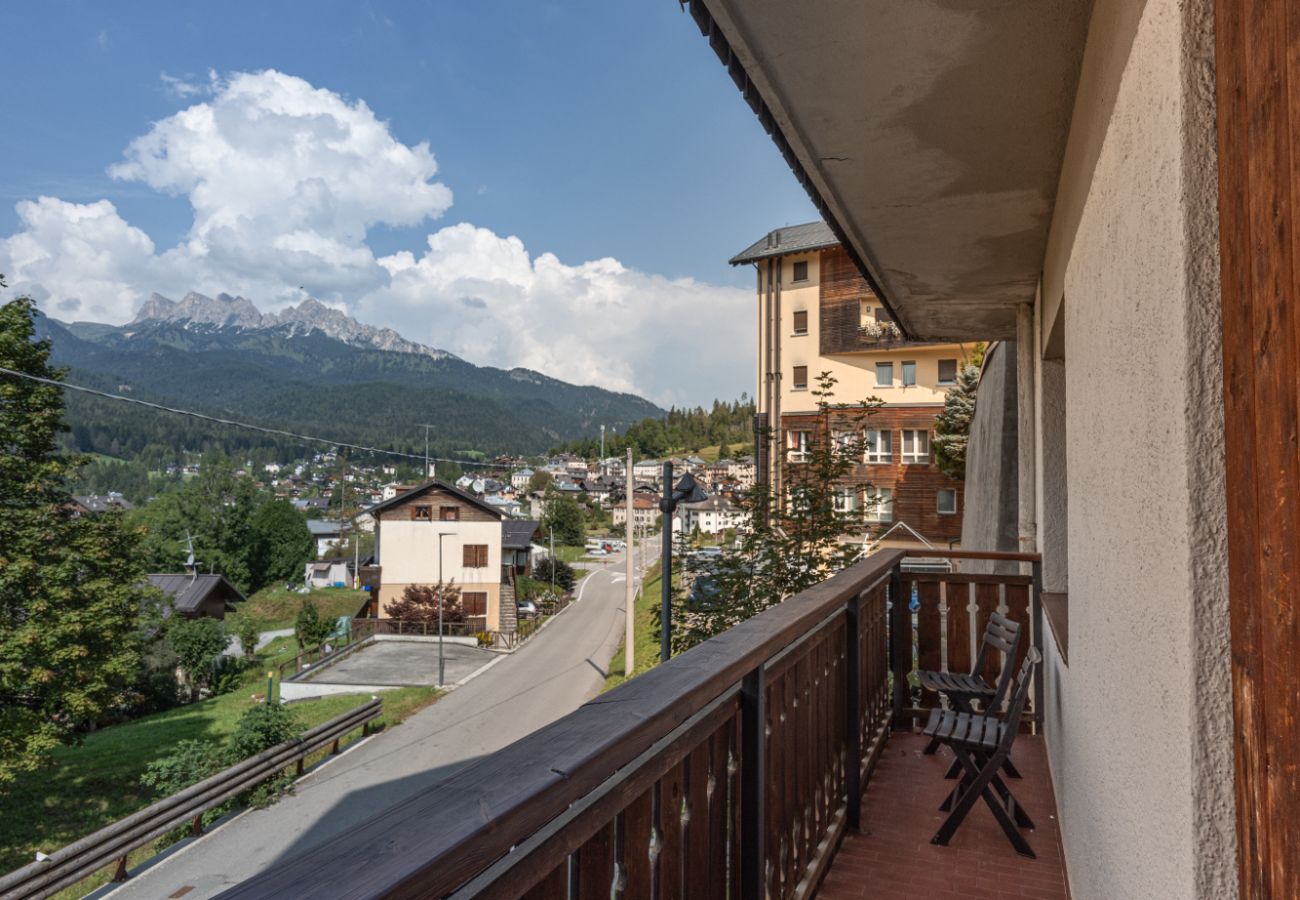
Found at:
[732, 770]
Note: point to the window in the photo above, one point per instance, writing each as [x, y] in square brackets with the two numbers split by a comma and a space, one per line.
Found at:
[909, 372]
[846, 499]
[800, 378]
[799, 271]
[880, 446]
[864, 312]
[422, 513]
[879, 504]
[916, 446]
[884, 374]
[449, 513]
[947, 371]
[798, 443]
[882, 315]
[947, 502]
[475, 556]
[801, 321]
[845, 441]
[475, 603]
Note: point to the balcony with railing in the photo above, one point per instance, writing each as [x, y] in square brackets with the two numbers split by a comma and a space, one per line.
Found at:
[774, 760]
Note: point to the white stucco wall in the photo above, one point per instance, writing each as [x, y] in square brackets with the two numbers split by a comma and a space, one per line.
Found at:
[410, 552]
[1139, 723]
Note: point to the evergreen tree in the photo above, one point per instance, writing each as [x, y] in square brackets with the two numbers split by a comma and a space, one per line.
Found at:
[952, 426]
[69, 586]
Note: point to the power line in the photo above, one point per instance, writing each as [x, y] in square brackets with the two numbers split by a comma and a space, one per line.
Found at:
[231, 422]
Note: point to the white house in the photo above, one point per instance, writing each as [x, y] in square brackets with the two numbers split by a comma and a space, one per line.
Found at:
[519, 479]
[713, 516]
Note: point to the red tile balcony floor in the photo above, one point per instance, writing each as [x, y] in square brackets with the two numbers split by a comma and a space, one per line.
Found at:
[893, 858]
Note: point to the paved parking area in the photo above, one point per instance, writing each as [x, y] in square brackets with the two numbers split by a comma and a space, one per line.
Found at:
[403, 663]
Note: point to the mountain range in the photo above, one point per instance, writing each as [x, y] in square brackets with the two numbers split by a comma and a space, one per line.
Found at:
[309, 369]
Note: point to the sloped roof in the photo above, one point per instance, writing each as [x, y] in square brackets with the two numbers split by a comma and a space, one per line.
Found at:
[430, 485]
[189, 591]
[323, 527]
[517, 534]
[781, 241]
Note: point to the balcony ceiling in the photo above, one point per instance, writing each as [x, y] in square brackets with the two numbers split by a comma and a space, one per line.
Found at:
[931, 131]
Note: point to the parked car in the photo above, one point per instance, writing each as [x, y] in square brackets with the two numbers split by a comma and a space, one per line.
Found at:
[527, 609]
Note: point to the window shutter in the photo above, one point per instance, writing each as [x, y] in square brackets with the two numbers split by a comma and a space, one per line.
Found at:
[801, 321]
[947, 371]
[800, 376]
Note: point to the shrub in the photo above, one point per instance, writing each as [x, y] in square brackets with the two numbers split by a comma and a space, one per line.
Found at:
[261, 728]
[419, 603]
[227, 674]
[309, 629]
[189, 762]
[246, 630]
[565, 576]
[198, 644]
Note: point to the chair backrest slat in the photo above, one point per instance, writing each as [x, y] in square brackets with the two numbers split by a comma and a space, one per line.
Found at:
[1016, 710]
[1003, 634]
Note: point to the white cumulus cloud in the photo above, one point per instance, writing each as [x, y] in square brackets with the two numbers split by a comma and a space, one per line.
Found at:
[285, 180]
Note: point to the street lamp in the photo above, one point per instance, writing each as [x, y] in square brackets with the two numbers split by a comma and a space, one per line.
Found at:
[687, 491]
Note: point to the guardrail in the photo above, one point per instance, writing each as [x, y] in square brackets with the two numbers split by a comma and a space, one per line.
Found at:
[67, 866]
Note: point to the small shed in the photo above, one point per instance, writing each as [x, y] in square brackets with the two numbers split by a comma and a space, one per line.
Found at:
[195, 596]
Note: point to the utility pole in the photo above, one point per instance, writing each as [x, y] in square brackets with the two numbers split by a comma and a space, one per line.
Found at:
[629, 533]
[426, 451]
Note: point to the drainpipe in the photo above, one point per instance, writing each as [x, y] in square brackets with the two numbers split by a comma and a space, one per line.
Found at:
[1026, 353]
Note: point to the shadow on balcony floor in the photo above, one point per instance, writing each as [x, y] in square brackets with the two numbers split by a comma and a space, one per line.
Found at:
[893, 856]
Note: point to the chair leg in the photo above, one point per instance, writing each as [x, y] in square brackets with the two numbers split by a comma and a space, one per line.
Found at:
[1010, 768]
[979, 788]
[1008, 799]
[931, 747]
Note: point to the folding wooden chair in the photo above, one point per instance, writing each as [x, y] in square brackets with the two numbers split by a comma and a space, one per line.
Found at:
[963, 690]
[982, 744]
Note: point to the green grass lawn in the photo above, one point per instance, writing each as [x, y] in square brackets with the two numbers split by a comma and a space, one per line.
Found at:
[98, 782]
[572, 554]
[275, 607]
[645, 633]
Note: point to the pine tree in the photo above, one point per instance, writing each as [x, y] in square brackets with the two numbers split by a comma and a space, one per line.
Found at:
[70, 587]
[952, 426]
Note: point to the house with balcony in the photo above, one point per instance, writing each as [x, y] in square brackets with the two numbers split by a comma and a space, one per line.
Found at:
[1105, 190]
[436, 533]
[816, 314]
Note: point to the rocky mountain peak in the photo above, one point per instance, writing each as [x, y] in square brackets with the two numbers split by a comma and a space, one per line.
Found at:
[226, 311]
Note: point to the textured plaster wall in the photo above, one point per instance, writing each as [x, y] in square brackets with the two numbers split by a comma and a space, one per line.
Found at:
[991, 491]
[1140, 722]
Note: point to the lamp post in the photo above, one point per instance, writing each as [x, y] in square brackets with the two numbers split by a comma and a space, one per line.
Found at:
[686, 491]
[442, 589]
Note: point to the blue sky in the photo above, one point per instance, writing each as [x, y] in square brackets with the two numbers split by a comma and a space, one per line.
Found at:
[586, 129]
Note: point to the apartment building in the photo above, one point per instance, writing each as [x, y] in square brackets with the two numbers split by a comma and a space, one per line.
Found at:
[816, 313]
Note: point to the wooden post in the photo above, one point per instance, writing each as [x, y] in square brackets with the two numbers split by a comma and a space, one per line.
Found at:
[196, 825]
[1036, 616]
[853, 708]
[753, 785]
[900, 645]
[120, 873]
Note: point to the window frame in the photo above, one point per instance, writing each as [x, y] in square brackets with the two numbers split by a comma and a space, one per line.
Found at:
[794, 322]
[902, 372]
[421, 512]
[880, 513]
[797, 450]
[794, 271]
[914, 458]
[938, 501]
[444, 510]
[941, 379]
[890, 367]
[872, 454]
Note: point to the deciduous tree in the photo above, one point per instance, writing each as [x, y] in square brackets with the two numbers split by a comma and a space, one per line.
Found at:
[70, 588]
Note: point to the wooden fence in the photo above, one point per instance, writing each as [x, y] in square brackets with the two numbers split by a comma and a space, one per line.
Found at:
[67, 866]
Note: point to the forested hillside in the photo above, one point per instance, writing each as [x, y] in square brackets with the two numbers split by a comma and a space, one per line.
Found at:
[729, 426]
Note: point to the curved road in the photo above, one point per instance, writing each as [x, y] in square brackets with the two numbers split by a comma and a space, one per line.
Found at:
[557, 671]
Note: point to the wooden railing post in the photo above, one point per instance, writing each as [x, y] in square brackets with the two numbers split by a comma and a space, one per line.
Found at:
[900, 645]
[853, 708]
[753, 784]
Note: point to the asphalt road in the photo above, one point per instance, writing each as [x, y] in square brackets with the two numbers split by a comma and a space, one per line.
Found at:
[554, 673]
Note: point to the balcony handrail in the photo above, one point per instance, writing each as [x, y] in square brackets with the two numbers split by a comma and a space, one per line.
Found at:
[439, 839]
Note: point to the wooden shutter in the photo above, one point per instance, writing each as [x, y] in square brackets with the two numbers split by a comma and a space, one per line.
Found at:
[801, 321]
[800, 376]
[475, 603]
[947, 371]
[475, 556]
